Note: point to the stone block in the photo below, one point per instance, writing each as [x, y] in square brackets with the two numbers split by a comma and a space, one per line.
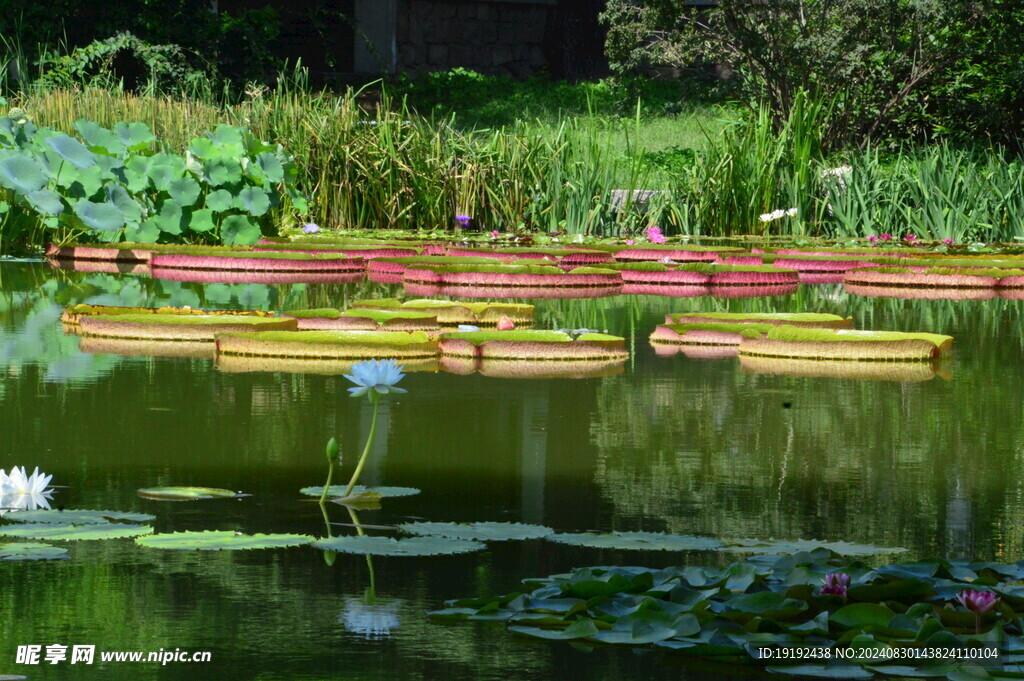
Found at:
[502, 55]
[437, 55]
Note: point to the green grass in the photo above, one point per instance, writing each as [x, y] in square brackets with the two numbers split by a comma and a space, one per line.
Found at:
[338, 337]
[793, 333]
[786, 316]
[180, 319]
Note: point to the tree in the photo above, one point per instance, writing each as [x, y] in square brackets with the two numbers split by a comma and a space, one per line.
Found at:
[882, 65]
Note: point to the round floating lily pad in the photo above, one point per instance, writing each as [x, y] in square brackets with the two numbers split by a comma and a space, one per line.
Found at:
[385, 546]
[215, 540]
[187, 493]
[798, 545]
[823, 671]
[77, 517]
[339, 490]
[76, 532]
[30, 551]
[486, 531]
[638, 541]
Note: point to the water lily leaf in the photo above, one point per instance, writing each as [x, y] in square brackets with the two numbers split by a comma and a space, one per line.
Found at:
[30, 551]
[77, 516]
[239, 230]
[914, 672]
[638, 541]
[338, 490]
[485, 531]
[385, 546]
[20, 173]
[212, 540]
[71, 150]
[823, 671]
[639, 632]
[188, 493]
[796, 546]
[56, 532]
[579, 629]
[859, 615]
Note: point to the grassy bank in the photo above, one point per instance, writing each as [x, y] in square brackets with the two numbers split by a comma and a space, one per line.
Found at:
[549, 162]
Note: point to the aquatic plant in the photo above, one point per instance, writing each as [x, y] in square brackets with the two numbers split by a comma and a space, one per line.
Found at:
[814, 598]
[373, 378]
[18, 490]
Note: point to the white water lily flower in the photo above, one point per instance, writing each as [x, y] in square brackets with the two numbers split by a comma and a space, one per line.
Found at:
[791, 212]
[468, 327]
[22, 491]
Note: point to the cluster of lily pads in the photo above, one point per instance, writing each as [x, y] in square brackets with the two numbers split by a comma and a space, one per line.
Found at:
[814, 599]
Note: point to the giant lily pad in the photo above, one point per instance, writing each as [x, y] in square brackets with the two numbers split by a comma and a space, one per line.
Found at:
[77, 517]
[56, 532]
[638, 541]
[822, 671]
[212, 540]
[339, 490]
[385, 546]
[799, 545]
[485, 531]
[31, 551]
[188, 493]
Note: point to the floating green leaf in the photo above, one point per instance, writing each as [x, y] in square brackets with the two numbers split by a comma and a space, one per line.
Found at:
[77, 516]
[638, 541]
[339, 490]
[823, 671]
[385, 546]
[188, 493]
[483, 531]
[31, 551]
[56, 532]
[213, 540]
[580, 629]
[799, 545]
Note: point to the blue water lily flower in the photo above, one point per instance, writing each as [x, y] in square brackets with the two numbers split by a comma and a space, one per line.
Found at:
[380, 376]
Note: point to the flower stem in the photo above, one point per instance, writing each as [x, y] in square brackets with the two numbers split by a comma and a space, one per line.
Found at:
[366, 449]
[327, 485]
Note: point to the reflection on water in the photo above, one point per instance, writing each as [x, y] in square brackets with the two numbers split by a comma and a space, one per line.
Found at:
[666, 443]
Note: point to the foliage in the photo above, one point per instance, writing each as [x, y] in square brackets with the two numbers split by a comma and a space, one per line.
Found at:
[883, 64]
[213, 540]
[118, 184]
[727, 614]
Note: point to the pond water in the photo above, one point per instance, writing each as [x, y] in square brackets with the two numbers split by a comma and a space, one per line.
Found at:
[673, 444]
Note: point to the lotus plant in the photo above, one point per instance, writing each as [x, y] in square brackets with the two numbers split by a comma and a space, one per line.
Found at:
[978, 602]
[836, 584]
[373, 378]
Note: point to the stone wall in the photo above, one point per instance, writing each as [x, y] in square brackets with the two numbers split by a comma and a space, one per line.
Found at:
[491, 36]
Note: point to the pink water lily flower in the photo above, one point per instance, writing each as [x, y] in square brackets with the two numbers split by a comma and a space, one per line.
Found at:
[836, 584]
[885, 237]
[910, 238]
[630, 242]
[872, 238]
[494, 234]
[654, 234]
[505, 324]
[977, 602]
[948, 241]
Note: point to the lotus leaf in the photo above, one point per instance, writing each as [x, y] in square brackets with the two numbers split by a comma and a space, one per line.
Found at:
[71, 150]
[385, 546]
[103, 217]
[798, 545]
[20, 173]
[212, 540]
[135, 136]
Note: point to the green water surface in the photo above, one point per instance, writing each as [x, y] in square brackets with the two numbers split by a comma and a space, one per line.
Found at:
[670, 443]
